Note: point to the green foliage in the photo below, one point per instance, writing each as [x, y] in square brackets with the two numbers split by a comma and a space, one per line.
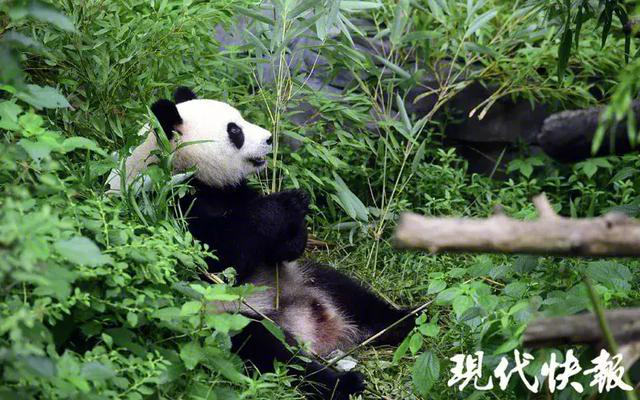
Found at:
[93, 304]
[100, 295]
[572, 16]
[17, 12]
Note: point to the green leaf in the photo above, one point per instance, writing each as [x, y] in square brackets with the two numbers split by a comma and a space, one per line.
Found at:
[274, 329]
[55, 281]
[77, 142]
[32, 124]
[191, 354]
[228, 369]
[43, 13]
[359, 5]
[255, 15]
[227, 322]
[436, 286]
[82, 251]
[107, 339]
[302, 7]
[448, 295]
[403, 113]
[219, 293]
[132, 319]
[426, 372]
[190, 308]
[37, 150]
[525, 264]
[507, 346]
[564, 50]
[579, 21]
[461, 304]
[611, 274]
[598, 136]
[480, 21]
[415, 343]
[401, 351]
[419, 157]
[22, 40]
[590, 169]
[167, 313]
[42, 366]
[95, 371]
[9, 112]
[393, 67]
[349, 201]
[43, 97]
[429, 330]
[400, 18]
[515, 289]
[606, 18]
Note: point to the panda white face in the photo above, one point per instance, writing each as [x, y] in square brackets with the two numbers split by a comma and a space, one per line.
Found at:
[231, 147]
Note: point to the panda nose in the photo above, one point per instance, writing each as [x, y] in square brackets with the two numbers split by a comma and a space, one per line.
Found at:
[270, 140]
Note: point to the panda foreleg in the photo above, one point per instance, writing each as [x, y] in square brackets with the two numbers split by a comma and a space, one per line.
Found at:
[279, 220]
[258, 346]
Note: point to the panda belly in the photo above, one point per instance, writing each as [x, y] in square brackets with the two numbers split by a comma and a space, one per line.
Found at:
[303, 310]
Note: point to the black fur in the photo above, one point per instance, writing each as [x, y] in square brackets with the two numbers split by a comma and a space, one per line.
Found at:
[258, 346]
[235, 135]
[250, 231]
[245, 228]
[363, 308]
[167, 115]
[183, 94]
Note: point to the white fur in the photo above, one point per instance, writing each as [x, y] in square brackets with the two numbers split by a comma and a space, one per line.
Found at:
[295, 313]
[219, 163]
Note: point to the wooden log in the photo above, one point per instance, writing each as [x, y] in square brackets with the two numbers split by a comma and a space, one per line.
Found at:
[612, 235]
[584, 329]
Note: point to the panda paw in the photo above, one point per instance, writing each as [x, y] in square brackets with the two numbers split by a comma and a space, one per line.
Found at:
[295, 203]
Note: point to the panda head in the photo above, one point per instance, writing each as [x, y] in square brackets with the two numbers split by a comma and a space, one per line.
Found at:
[227, 148]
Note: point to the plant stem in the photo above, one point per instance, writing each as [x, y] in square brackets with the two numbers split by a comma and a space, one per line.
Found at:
[606, 331]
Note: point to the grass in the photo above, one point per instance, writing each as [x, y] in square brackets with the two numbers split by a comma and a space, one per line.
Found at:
[133, 329]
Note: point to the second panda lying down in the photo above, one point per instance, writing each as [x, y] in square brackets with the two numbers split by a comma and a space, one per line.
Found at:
[262, 237]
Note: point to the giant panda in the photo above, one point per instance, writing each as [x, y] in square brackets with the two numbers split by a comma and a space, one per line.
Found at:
[263, 238]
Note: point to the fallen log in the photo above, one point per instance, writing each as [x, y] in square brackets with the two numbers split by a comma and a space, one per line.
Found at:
[584, 329]
[611, 235]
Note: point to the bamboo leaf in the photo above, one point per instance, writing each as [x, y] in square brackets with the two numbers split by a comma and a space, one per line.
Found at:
[359, 5]
[480, 22]
[395, 68]
[579, 21]
[400, 19]
[302, 7]
[403, 113]
[564, 51]
[255, 15]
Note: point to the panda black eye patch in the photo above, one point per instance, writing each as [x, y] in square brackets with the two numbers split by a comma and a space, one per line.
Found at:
[235, 134]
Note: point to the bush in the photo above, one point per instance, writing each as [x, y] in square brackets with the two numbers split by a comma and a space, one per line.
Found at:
[103, 297]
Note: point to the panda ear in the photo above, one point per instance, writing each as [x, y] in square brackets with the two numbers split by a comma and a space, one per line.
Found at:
[167, 114]
[183, 94]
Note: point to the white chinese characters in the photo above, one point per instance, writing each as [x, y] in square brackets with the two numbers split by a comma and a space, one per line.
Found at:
[607, 372]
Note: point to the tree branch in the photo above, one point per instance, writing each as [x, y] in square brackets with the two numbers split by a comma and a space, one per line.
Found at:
[612, 235]
[584, 329]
